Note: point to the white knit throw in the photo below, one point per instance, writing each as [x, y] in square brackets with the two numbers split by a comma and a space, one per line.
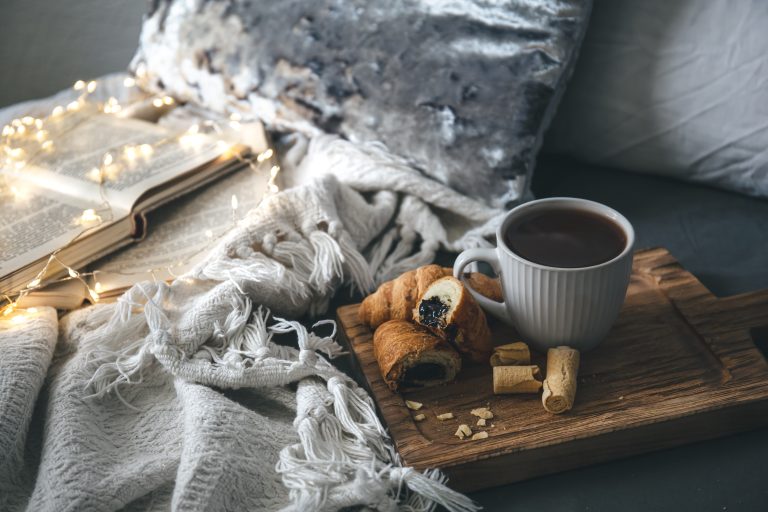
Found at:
[177, 396]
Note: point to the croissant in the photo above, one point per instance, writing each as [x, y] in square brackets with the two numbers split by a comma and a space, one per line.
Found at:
[396, 299]
[449, 310]
[410, 356]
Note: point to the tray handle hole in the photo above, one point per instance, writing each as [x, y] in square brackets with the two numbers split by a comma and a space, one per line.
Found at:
[760, 338]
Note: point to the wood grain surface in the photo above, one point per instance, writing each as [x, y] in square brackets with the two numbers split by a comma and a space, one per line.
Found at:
[678, 366]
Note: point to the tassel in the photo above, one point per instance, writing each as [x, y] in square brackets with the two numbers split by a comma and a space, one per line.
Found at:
[429, 489]
[327, 264]
[356, 267]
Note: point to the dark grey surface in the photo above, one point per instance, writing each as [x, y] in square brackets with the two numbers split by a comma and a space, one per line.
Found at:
[464, 89]
[45, 45]
[722, 238]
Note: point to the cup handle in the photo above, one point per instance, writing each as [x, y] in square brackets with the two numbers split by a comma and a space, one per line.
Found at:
[490, 256]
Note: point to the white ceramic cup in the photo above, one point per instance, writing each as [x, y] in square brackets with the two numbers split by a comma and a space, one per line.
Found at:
[551, 306]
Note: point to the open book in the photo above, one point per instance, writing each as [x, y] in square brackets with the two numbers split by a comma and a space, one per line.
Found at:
[57, 200]
[180, 235]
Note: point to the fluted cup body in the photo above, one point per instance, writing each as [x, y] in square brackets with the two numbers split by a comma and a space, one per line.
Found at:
[553, 306]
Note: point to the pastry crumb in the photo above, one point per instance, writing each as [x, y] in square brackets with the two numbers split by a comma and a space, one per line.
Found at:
[445, 416]
[419, 417]
[480, 435]
[481, 422]
[414, 406]
[482, 412]
[463, 431]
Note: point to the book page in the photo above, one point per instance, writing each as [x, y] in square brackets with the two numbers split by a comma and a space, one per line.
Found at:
[38, 222]
[142, 155]
[183, 231]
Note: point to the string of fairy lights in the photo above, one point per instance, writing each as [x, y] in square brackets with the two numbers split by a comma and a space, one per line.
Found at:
[24, 139]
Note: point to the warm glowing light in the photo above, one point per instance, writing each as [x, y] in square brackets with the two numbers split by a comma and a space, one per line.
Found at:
[94, 295]
[16, 122]
[91, 86]
[157, 102]
[112, 106]
[89, 216]
[146, 150]
[224, 147]
[15, 152]
[235, 117]
[191, 140]
[47, 145]
[19, 165]
[28, 120]
[41, 135]
[209, 233]
[97, 287]
[32, 310]
[274, 171]
[8, 131]
[79, 85]
[38, 124]
[129, 81]
[57, 111]
[19, 193]
[95, 174]
[72, 272]
[73, 105]
[107, 159]
[168, 100]
[21, 130]
[234, 202]
[34, 282]
[266, 155]
[17, 319]
[130, 153]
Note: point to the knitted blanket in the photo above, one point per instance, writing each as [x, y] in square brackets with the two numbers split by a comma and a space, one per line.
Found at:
[180, 396]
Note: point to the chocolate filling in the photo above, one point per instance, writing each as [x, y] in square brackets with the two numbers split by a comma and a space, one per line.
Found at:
[432, 312]
[423, 371]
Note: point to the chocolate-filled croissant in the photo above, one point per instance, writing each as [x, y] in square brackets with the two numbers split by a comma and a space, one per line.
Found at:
[449, 310]
[396, 299]
[410, 356]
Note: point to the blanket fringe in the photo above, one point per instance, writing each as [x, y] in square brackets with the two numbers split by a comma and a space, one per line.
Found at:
[205, 330]
[339, 461]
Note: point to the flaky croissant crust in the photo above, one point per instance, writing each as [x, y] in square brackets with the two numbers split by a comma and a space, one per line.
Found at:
[400, 344]
[396, 299]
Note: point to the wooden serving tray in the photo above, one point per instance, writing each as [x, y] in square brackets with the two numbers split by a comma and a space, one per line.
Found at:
[679, 366]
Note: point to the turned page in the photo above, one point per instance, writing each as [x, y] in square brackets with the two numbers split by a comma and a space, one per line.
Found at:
[42, 221]
[113, 160]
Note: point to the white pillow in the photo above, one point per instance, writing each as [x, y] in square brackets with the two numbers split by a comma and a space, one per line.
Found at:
[675, 88]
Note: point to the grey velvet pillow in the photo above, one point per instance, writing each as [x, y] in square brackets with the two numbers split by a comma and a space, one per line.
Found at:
[462, 88]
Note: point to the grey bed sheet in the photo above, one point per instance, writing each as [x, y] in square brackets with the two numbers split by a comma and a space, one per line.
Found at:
[722, 238]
